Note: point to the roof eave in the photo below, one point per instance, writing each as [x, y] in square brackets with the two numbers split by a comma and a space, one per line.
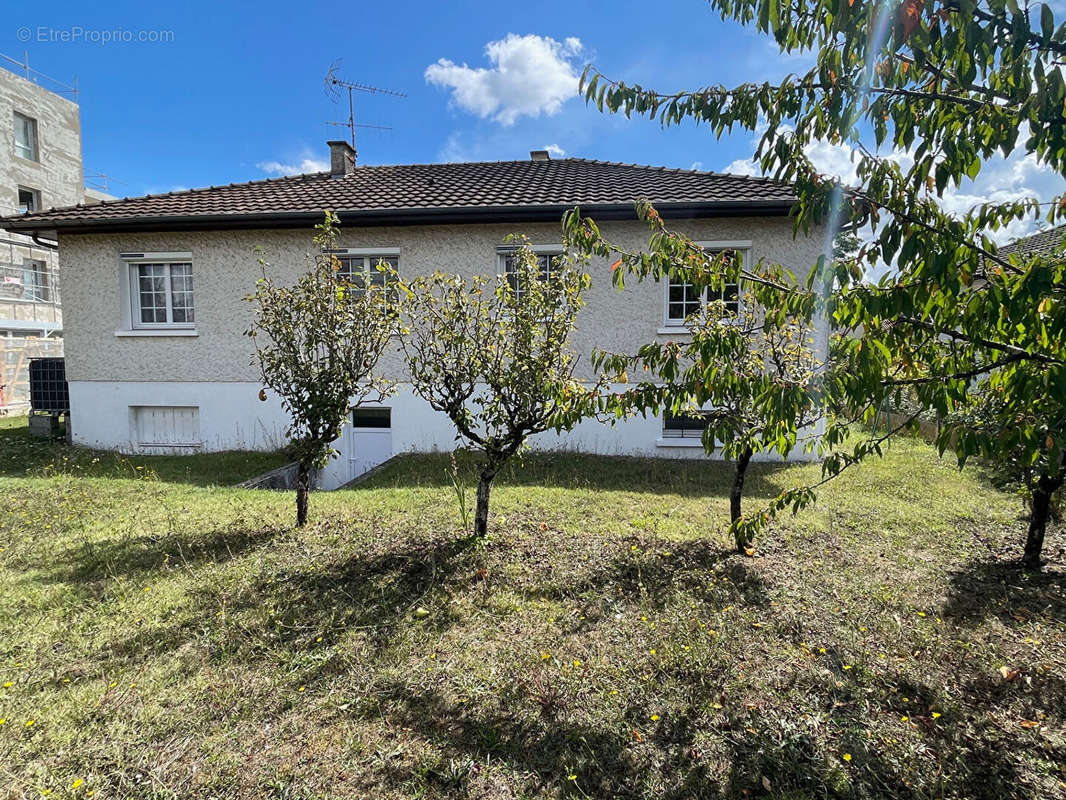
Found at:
[397, 216]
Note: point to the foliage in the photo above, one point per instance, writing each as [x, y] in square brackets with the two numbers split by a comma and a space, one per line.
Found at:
[947, 85]
[317, 344]
[751, 379]
[497, 359]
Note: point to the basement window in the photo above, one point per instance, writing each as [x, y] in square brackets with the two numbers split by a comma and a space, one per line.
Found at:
[685, 426]
[166, 426]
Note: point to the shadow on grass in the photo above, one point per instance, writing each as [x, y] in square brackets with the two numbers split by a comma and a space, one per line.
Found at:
[22, 455]
[137, 556]
[654, 579]
[701, 753]
[685, 477]
[309, 608]
[1002, 589]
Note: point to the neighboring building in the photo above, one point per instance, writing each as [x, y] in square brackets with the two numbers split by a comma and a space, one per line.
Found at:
[156, 356]
[1043, 242]
[40, 167]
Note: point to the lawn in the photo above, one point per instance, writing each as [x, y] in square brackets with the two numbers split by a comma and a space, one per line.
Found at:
[167, 638]
[22, 455]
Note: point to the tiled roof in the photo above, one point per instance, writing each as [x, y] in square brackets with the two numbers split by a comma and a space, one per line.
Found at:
[443, 191]
[1042, 243]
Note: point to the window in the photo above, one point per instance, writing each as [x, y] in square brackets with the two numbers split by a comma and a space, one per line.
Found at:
[161, 294]
[26, 137]
[29, 200]
[685, 426]
[166, 426]
[684, 299]
[371, 417]
[360, 268]
[35, 281]
[547, 262]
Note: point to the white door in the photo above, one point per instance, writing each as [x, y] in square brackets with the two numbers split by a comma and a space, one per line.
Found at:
[370, 438]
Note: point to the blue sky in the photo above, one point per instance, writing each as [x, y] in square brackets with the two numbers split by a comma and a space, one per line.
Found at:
[232, 95]
[233, 91]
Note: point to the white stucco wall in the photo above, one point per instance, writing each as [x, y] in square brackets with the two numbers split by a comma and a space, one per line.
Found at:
[232, 415]
[214, 369]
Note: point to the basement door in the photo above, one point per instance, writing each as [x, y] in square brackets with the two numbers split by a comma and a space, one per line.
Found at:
[369, 439]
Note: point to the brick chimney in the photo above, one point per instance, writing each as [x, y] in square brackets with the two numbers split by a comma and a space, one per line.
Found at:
[341, 159]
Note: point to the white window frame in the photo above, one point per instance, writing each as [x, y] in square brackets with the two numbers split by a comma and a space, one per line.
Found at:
[674, 326]
[129, 286]
[35, 193]
[45, 284]
[34, 146]
[505, 252]
[370, 255]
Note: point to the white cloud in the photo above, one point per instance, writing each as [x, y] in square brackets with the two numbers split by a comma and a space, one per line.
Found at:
[555, 151]
[1001, 180]
[303, 166]
[529, 76]
[699, 165]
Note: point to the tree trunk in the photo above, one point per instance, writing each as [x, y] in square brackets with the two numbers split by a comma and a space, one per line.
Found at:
[481, 515]
[303, 490]
[1041, 510]
[737, 491]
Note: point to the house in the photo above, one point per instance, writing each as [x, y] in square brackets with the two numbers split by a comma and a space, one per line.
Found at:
[1046, 242]
[156, 357]
[40, 166]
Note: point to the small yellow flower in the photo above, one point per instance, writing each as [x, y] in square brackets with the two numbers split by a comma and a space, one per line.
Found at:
[8, 685]
[652, 651]
[577, 662]
[319, 639]
[148, 588]
[847, 666]
[77, 782]
[904, 719]
[847, 756]
[301, 688]
[654, 717]
[921, 613]
[3, 720]
[545, 655]
[571, 777]
[30, 723]
[936, 714]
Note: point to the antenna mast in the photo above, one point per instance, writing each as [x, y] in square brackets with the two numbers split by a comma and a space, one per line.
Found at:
[333, 87]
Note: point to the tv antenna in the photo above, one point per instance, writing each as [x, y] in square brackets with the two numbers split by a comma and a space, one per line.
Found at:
[334, 86]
